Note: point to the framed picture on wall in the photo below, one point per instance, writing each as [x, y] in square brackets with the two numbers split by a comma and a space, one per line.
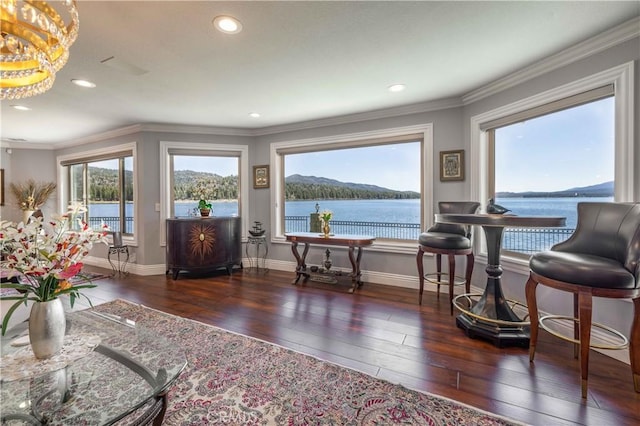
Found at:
[451, 165]
[261, 176]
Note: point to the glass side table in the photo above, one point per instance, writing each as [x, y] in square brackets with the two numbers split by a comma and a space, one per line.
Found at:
[110, 369]
[257, 251]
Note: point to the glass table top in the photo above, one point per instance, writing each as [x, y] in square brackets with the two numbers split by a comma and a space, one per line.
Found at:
[108, 368]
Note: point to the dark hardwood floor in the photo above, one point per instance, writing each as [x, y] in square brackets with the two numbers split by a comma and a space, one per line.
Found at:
[382, 331]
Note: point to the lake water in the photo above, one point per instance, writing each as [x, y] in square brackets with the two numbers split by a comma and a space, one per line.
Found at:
[394, 211]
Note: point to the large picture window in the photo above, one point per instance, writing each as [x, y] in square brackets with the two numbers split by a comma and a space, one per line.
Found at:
[104, 183]
[190, 171]
[542, 155]
[208, 177]
[373, 186]
[546, 165]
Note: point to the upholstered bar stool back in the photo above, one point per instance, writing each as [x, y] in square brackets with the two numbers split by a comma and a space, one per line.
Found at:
[451, 240]
[601, 259]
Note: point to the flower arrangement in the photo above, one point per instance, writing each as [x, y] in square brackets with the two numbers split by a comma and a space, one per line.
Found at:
[326, 216]
[44, 257]
[31, 195]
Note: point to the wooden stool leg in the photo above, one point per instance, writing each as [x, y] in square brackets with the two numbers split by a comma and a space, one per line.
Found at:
[452, 276]
[584, 318]
[532, 304]
[420, 273]
[634, 344]
[576, 326]
[439, 270]
[467, 277]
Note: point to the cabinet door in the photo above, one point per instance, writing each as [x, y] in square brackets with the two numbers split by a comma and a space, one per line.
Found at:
[203, 243]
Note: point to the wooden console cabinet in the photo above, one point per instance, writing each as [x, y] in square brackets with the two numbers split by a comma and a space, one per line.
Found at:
[203, 244]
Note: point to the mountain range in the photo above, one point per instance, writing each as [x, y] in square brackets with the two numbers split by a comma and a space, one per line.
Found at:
[300, 187]
[604, 189]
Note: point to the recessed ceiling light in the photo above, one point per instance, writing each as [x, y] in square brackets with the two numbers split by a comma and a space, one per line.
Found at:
[83, 83]
[397, 87]
[227, 24]
[254, 114]
[21, 107]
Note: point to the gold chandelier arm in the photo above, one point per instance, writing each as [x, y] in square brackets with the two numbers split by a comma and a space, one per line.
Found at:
[28, 80]
[34, 45]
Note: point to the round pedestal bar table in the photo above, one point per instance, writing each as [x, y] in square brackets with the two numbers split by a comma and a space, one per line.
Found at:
[492, 317]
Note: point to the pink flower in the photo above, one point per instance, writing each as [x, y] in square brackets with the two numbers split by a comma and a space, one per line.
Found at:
[69, 272]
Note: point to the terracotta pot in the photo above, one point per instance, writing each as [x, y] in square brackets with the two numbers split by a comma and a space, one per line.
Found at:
[205, 212]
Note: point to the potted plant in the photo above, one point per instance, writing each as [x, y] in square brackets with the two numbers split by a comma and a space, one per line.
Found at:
[325, 217]
[205, 207]
[45, 257]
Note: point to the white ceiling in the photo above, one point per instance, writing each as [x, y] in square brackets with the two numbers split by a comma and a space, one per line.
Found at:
[293, 61]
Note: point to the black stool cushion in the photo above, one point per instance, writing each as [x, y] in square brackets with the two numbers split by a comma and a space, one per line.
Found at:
[582, 269]
[442, 240]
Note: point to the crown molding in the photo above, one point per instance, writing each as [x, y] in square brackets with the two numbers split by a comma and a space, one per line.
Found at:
[26, 145]
[596, 44]
[203, 130]
[137, 128]
[229, 131]
[418, 108]
[99, 137]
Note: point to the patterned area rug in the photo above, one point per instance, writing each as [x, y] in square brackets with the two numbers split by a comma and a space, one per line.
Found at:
[84, 277]
[233, 379]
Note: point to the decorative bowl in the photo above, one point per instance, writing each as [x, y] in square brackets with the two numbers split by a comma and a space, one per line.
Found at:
[259, 233]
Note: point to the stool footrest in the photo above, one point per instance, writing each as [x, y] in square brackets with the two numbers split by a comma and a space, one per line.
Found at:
[624, 342]
[457, 303]
[433, 279]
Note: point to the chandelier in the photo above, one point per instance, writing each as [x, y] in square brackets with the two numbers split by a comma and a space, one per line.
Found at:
[34, 45]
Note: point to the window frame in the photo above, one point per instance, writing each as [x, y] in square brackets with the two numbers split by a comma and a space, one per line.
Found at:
[353, 140]
[621, 77]
[111, 152]
[193, 148]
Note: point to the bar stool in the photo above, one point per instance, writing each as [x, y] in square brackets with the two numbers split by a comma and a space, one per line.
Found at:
[451, 240]
[600, 259]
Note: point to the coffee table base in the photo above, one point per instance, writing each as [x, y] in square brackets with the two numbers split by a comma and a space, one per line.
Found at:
[499, 336]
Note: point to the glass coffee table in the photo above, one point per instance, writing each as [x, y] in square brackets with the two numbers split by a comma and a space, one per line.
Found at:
[110, 369]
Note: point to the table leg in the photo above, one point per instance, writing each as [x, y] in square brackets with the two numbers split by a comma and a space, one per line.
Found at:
[355, 268]
[246, 251]
[264, 258]
[301, 267]
[493, 306]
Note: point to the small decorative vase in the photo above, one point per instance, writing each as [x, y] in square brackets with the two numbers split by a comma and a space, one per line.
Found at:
[326, 229]
[205, 212]
[47, 325]
[327, 260]
[26, 215]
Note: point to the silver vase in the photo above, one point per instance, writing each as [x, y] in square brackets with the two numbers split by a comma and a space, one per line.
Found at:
[47, 326]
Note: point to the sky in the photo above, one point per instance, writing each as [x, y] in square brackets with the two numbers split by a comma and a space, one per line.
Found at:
[568, 149]
[223, 166]
[571, 148]
[395, 166]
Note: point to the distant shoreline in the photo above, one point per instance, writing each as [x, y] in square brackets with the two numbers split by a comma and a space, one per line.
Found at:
[553, 195]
